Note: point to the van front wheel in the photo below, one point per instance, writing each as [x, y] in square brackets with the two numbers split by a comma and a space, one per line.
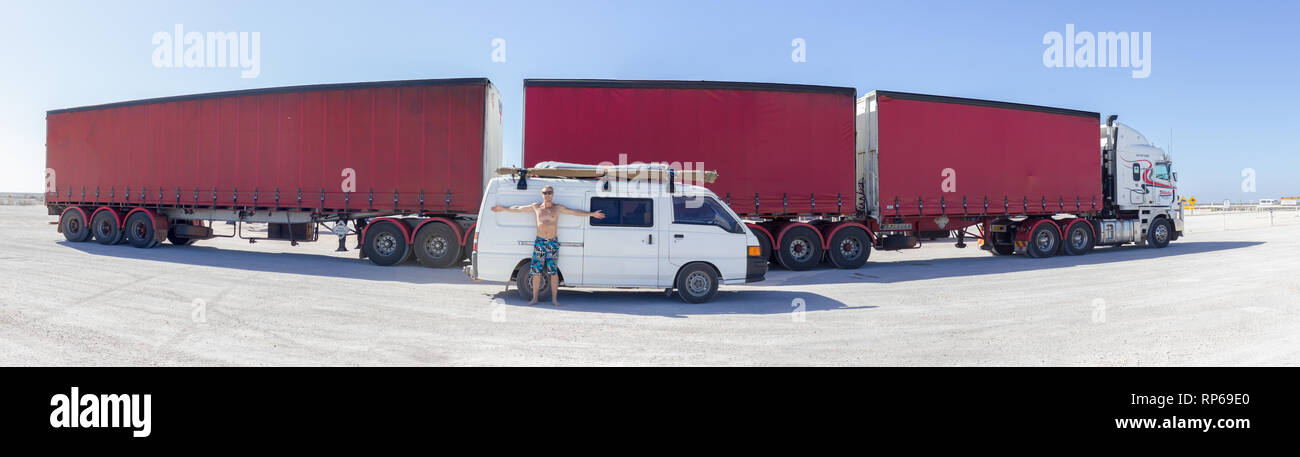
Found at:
[697, 283]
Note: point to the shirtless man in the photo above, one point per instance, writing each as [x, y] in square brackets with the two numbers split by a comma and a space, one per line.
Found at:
[547, 245]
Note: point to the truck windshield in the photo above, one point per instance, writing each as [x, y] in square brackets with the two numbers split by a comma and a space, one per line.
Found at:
[1162, 171]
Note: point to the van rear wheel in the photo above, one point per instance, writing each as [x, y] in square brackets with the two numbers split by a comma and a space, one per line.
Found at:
[524, 282]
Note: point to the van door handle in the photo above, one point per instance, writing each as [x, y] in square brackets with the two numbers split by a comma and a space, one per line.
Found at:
[679, 236]
[651, 239]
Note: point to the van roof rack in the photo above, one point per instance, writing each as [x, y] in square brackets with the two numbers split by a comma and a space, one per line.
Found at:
[620, 172]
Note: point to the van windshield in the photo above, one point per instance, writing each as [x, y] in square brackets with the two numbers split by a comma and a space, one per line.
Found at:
[700, 210]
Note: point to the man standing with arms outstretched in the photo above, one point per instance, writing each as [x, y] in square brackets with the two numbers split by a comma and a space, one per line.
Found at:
[547, 245]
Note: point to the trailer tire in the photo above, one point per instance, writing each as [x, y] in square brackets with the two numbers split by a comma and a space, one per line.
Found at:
[1044, 241]
[801, 249]
[74, 226]
[436, 246]
[849, 248]
[139, 230]
[386, 244]
[1160, 234]
[697, 283]
[104, 226]
[1078, 239]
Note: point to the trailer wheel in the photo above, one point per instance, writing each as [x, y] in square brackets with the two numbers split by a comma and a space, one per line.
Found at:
[800, 249]
[139, 230]
[436, 246]
[1044, 241]
[524, 282]
[1078, 239]
[74, 226]
[697, 283]
[1160, 233]
[850, 248]
[386, 244]
[105, 228]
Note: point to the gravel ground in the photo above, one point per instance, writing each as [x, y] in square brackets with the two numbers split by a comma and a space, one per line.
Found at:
[1218, 296]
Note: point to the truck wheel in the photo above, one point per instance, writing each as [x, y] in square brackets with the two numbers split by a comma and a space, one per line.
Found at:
[436, 246]
[697, 283]
[139, 230]
[386, 245]
[850, 248]
[74, 226]
[1078, 240]
[800, 249]
[1044, 241]
[524, 282]
[1160, 234]
[105, 228]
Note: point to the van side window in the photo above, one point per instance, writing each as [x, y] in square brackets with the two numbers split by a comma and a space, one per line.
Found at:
[623, 212]
[703, 211]
[1137, 172]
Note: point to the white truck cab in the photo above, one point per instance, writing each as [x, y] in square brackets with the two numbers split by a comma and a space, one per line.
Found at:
[1142, 187]
[682, 238]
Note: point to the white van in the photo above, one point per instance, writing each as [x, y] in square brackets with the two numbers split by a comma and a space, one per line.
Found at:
[686, 240]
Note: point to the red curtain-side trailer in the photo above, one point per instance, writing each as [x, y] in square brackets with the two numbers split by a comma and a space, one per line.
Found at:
[784, 152]
[404, 161]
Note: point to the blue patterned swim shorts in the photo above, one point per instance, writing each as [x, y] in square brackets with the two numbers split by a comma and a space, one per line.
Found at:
[544, 252]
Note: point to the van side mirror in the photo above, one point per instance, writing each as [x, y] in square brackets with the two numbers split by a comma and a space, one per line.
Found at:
[1175, 176]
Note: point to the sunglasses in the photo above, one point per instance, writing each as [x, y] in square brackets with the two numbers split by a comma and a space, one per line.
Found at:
[547, 192]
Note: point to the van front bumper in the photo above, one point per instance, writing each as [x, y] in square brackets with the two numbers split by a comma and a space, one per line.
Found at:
[755, 269]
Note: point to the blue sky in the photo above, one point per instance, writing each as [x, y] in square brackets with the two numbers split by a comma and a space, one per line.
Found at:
[1223, 74]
